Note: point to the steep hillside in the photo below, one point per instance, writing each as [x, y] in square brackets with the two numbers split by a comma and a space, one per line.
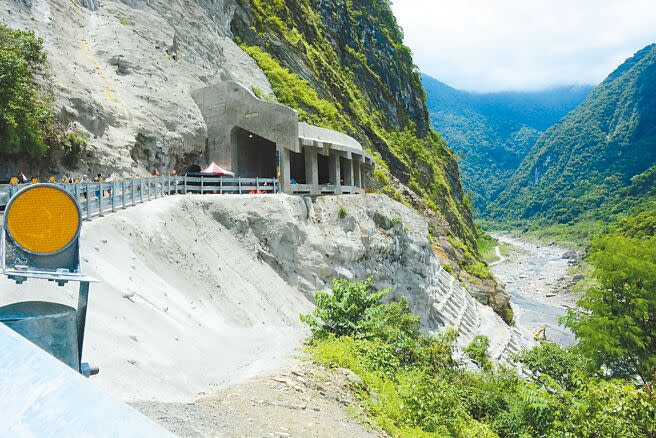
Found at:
[122, 72]
[584, 161]
[200, 291]
[494, 131]
[343, 65]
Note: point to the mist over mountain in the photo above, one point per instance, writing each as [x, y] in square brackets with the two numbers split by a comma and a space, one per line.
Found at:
[600, 154]
[493, 132]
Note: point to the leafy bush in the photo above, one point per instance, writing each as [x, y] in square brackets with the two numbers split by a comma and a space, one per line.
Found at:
[344, 310]
[73, 146]
[413, 387]
[341, 213]
[477, 350]
[566, 365]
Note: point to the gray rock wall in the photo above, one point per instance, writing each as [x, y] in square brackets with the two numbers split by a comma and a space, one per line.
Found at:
[309, 244]
[123, 72]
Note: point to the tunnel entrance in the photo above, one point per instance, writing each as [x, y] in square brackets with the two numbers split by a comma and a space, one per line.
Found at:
[256, 156]
[297, 167]
[324, 175]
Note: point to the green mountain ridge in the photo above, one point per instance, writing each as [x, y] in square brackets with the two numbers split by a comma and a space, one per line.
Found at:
[597, 161]
[493, 132]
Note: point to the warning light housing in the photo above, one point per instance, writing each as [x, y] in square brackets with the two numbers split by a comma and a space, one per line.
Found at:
[43, 219]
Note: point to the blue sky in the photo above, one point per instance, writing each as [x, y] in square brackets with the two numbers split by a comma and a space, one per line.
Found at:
[493, 45]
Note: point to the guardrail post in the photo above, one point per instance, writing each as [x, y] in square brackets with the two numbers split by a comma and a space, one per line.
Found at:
[239, 185]
[76, 192]
[132, 200]
[99, 193]
[168, 185]
[201, 185]
[123, 194]
[113, 196]
[221, 186]
[148, 188]
[257, 185]
[185, 184]
[175, 182]
[88, 202]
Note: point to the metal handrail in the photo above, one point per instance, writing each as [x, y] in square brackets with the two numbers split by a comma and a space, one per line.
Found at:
[97, 198]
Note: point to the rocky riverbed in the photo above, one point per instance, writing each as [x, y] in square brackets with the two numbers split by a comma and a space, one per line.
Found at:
[536, 276]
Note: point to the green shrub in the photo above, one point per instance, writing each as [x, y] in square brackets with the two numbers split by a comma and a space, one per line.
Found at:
[566, 365]
[477, 350]
[342, 311]
[73, 146]
[342, 213]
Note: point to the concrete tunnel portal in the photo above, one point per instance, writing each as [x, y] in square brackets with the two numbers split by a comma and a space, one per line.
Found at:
[255, 138]
[256, 156]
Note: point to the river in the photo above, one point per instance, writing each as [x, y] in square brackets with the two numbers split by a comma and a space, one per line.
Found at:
[532, 274]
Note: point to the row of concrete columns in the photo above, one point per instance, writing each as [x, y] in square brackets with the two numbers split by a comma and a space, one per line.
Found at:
[352, 174]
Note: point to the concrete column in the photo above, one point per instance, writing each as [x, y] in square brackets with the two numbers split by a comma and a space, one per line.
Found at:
[311, 169]
[363, 176]
[334, 172]
[356, 173]
[348, 173]
[285, 169]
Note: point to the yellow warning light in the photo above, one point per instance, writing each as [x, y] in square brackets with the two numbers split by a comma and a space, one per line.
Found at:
[14, 180]
[35, 181]
[43, 219]
[77, 180]
[52, 179]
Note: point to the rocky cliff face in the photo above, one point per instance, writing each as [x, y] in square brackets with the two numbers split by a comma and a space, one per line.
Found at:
[309, 242]
[352, 54]
[122, 72]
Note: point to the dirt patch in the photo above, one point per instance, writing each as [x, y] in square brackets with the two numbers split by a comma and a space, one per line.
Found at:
[307, 401]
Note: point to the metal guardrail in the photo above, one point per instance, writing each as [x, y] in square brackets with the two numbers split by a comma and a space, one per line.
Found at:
[97, 198]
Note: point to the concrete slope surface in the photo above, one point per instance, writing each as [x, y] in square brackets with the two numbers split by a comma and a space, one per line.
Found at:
[202, 291]
[183, 305]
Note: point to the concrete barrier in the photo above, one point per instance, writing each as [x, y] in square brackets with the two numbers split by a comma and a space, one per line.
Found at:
[42, 397]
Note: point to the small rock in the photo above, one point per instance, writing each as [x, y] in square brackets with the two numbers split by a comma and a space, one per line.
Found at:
[578, 277]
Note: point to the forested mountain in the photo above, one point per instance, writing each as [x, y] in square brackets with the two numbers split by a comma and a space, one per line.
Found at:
[495, 131]
[597, 160]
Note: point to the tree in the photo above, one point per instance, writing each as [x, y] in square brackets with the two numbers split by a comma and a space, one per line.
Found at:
[616, 320]
[25, 113]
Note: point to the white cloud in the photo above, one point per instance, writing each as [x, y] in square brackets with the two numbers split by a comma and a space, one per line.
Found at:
[486, 45]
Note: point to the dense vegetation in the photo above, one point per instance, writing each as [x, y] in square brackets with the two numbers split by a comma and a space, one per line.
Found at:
[582, 169]
[413, 387]
[616, 320]
[28, 129]
[343, 65]
[25, 113]
[493, 132]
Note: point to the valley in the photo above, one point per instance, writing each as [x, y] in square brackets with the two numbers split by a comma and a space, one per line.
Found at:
[534, 274]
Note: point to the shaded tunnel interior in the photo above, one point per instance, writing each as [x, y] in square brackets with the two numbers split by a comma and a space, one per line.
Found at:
[256, 156]
[297, 167]
[324, 175]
